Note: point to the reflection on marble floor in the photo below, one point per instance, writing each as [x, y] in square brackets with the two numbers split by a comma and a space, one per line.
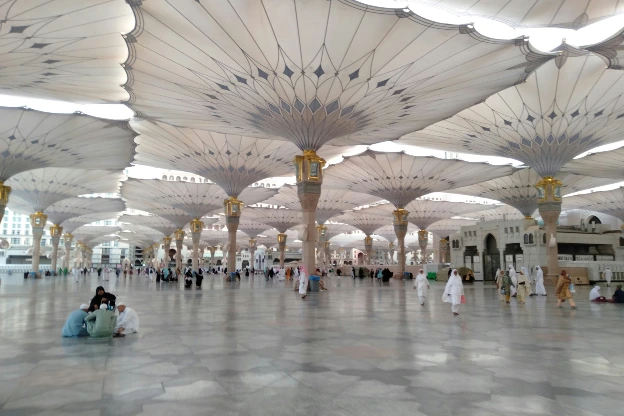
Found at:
[254, 348]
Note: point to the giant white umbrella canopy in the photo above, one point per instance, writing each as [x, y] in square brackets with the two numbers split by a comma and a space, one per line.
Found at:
[519, 191]
[311, 73]
[164, 226]
[32, 140]
[400, 178]
[62, 211]
[572, 14]
[608, 164]
[71, 224]
[445, 228]
[331, 203]
[568, 106]
[65, 50]
[87, 233]
[366, 223]
[281, 219]
[608, 202]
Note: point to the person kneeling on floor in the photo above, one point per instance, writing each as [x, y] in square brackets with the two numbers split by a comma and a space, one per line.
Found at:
[127, 321]
[101, 323]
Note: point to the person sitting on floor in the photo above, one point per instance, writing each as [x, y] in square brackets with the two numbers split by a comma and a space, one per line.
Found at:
[74, 325]
[101, 323]
[188, 281]
[594, 295]
[101, 296]
[618, 295]
[199, 277]
[127, 321]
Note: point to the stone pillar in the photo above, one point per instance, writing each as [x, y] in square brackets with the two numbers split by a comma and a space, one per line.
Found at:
[549, 205]
[196, 228]
[309, 177]
[37, 222]
[233, 209]
[443, 250]
[400, 229]
[55, 232]
[281, 243]
[326, 245]
[321, 236]
[391, 253]
[368, 247]
[423, 239]
[252, 252]
[166, 247]
[4, 198]
[179, 240]
[68, 242]
[212, 253]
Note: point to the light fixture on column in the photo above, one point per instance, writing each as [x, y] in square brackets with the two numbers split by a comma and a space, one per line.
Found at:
[56, 231]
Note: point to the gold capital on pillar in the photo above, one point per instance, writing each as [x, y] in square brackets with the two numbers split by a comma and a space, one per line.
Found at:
[281, 242]
[4, 198]
[38, 219]
[56, 231]
[233, 208]
[252, 243]
[321, 232]
[167, 241]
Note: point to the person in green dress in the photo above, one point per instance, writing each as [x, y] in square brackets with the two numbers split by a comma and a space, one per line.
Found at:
[101, 323]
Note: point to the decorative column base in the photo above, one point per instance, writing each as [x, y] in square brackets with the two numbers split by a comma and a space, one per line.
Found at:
[423, 240]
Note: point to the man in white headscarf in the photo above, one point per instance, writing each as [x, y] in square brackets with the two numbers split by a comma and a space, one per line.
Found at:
[453, 291]
[594, 293]
[127, 321]
[608, 275]
[422, 285]
[514, 280]
[75, 326]
[529, 289]
[539, 281]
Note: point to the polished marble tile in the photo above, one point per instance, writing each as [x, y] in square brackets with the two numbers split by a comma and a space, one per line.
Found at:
[254, 348]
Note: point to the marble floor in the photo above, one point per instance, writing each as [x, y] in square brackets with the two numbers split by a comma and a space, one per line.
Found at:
[255, 348]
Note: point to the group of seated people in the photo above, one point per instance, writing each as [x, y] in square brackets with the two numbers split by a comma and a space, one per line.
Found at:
[618, 295]
[99, 320]
[188, 277]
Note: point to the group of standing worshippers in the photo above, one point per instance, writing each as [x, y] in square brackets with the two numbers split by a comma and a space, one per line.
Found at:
[510, 284]
[99, 320]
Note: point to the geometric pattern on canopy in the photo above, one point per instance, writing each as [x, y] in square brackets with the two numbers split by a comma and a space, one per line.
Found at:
[607, 202]
[601, 165]
[345, 240]
[332, 202]
[519, 191]
[572, 14]
[101, 240]
[560, 112]
[35, 190]
[75, 207]
[87, 233]
[424, 212]
[31, 140]
[233, 162]
[311, 72]
[337, 228]
[387, 232]
[71, 224]
[400, 178]
[159, 224]
[176, 216]
[66, 50]
[140, 231]
[215, 237]
[365, 221]
[281, 219]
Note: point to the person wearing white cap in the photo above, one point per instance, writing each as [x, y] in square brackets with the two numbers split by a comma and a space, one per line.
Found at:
[100, 324]
[75, 325]
[453, 292]
[127, 321]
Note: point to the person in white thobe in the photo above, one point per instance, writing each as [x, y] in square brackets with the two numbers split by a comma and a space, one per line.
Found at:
[127, 321]
[303, 283]
[529, 289]
[514, 279]
[539, 281]
[422, 285]
[453, 291]
[608, 275]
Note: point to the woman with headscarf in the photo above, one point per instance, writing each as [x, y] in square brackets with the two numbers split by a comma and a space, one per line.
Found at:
[303, 282]
[101, 296]
[529, 289]
[498, 278]
[522, 289]
[453, 292]
[594, 295]
[512, 275]
[506, 285]
[422, 285]
[563, 290]
[539, 281]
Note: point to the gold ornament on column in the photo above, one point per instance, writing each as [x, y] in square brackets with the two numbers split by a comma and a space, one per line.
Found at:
[309, 167]
[549, 205]
[196, 225]
[38, 219]
[548, 189]
[232, 206]
[321, 231]
[252, 243]
[179, 234]
[56, 231]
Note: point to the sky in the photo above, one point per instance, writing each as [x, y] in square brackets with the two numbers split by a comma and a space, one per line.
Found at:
[544, 39]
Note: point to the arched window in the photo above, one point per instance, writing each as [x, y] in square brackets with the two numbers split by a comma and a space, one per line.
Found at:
[178, 178]
[164, 178]
[185, 178]
[193, 180]
[526, 239]
[170, 178]
[531, 240]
